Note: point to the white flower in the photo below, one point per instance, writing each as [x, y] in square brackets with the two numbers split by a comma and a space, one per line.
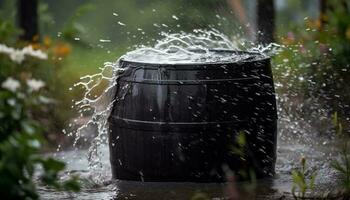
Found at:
[5, 49]
[11, 101]
[18, 55]
[11, 84]
[34, 53]
[35, 85]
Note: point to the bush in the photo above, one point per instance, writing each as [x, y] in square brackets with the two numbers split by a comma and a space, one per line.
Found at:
[22, 96]
[314, 68]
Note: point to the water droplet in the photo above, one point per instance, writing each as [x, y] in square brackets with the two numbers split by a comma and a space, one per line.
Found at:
[121, 24]
[223, 100]
[105, 40]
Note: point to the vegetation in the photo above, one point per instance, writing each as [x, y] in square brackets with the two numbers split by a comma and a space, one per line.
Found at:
[302, 181]
[198, 195]
[342, 166]
[315, 62]
[35, 75]
[240, 149]
[23, 101]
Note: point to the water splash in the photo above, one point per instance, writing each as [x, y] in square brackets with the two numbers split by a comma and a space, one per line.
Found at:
[195, 47]
[97, 108]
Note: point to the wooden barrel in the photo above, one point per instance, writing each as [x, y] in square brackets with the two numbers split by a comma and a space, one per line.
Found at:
[193, 122]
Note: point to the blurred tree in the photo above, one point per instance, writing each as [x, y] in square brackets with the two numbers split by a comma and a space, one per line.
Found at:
[27, 13]
[323, 9]
[318, 56]
[325, 6]
[265, 21]
[333, 35]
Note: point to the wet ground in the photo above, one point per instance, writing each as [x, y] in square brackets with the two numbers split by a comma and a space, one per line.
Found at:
[295, 140]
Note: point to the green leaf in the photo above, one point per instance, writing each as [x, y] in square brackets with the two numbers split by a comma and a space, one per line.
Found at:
[200, 196]
[298, 178]
[340, 129]
[335, 119]
[72, 184]
[52, 164]
[337, 166]
[312, 181]
[241, 139]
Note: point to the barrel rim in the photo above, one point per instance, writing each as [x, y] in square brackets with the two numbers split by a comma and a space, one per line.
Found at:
[201, 64]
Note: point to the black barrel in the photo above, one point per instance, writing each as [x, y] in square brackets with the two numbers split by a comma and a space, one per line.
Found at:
[185, 122]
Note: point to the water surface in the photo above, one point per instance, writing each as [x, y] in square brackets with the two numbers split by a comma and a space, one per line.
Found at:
[319, 151]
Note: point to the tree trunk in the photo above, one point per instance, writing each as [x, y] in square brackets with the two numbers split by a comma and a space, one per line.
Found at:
[265, 21]
[27, 18]
[323, 10]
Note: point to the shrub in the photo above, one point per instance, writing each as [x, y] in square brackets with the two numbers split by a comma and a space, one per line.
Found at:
[21, 138]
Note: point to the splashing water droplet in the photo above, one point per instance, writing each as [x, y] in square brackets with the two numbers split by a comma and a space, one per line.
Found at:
[192, 47]
[104, 40]
[121, 23]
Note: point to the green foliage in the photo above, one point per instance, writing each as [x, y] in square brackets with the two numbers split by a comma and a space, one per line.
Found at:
[301, 181]
[241, 149]
[143, 20]
[342, 166]
[200, 196]
[22, 97]
[7, 31]
[73, 29]
[46, 20]
[316, 61]
[337, 125]
[20, 144]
